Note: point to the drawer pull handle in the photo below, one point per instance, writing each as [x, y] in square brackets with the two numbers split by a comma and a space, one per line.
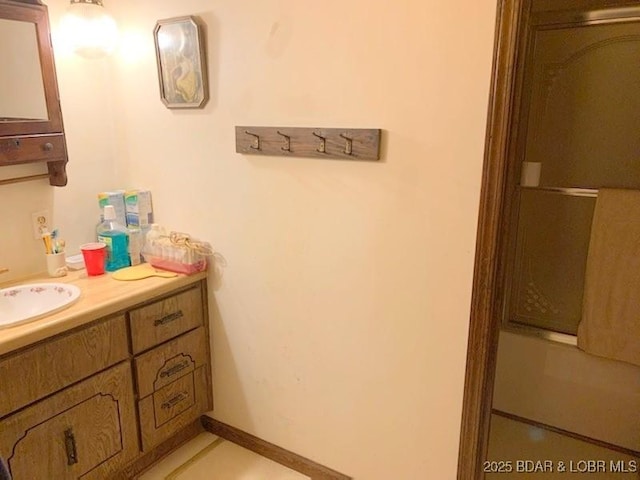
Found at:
[168, 318]
[173, 401]
[47, 147]
[169, 372]
[70, 445]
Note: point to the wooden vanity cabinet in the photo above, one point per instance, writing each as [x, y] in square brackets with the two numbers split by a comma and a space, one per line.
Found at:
[91, 402]
[86, 431]
[171, 375]
[172, 386]
[50, 366]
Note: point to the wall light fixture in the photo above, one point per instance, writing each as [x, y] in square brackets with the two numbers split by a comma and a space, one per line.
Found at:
[90, 29]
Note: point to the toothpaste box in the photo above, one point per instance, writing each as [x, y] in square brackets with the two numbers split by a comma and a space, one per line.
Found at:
[115, 198]
[139, 210]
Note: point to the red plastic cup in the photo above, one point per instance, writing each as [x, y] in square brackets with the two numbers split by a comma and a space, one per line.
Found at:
[95, 257]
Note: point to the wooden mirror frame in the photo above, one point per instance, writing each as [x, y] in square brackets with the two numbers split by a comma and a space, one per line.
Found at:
[36, 13]
[37, 140]
[493, 225]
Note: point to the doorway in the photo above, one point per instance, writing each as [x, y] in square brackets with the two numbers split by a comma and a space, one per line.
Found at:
[529, 388]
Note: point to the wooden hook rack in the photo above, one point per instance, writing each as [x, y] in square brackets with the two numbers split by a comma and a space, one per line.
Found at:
[344, 143]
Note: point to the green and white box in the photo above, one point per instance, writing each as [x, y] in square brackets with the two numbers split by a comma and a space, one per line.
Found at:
[139, 209]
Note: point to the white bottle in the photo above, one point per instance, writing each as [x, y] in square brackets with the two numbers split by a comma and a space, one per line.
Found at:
[135, 245]
[152, 246]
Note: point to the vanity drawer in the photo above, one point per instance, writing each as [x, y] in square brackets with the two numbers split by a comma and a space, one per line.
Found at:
[173, 407]
[87, 431]
[59, 362]
[164, 364]
[28, 149]
[166, 319]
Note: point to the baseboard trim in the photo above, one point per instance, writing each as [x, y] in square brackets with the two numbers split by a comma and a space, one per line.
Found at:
[271, 451]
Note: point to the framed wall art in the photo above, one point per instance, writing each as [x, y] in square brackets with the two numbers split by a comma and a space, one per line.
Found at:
[182, 70]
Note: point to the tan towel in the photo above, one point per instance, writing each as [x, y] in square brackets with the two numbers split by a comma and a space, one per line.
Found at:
[610, 325]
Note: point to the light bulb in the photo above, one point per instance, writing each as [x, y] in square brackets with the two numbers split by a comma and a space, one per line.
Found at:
[90, 30]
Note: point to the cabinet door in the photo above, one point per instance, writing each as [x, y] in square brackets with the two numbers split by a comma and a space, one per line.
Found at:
[64, 360]
[87, 431]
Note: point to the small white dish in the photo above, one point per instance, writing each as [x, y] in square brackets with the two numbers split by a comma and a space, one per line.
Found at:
[75, 262]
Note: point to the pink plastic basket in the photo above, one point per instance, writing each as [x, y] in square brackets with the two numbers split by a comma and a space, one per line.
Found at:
[173, 266]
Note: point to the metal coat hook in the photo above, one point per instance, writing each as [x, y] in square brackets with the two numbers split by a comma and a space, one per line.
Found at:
[323, 144]
[256, 145]
[348, 148]
[344, 143]
[287, 141]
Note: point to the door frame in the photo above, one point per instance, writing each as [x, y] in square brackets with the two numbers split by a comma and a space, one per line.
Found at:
[485, 315]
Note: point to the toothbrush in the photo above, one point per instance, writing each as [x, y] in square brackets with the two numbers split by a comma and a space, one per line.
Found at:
[46, 238]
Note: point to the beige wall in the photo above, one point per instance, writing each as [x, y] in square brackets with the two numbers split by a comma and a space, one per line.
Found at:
[340, 324]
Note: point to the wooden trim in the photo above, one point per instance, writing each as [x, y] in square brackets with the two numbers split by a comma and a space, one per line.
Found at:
[485, 311]
[271, 451]
[573, 5]
[567, 433]
[28, 178]
[204, 289]
[32, 2]
[38, 15]
[336, 143]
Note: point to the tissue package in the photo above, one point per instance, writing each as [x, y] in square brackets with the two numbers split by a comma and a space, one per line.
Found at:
[139, 209]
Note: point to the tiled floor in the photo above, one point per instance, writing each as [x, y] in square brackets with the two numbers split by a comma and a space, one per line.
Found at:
[208, 457]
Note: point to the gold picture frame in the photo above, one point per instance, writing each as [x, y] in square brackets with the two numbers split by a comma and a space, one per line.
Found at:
[182, 70]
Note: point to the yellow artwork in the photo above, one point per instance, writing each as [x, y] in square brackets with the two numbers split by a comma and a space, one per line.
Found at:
[181, 66]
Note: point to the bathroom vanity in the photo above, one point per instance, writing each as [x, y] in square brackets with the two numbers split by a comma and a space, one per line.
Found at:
[103, 388]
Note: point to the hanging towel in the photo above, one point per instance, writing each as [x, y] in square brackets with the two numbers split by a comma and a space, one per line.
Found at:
[610, 325]
[4, 471]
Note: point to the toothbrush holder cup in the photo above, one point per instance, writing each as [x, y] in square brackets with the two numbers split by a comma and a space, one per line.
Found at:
[56, 264]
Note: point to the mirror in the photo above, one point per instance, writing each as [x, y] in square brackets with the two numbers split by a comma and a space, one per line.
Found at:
[544, 398]
[31, 127]
[21, 74]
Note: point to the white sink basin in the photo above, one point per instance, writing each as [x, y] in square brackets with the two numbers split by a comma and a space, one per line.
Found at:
[25, 303]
